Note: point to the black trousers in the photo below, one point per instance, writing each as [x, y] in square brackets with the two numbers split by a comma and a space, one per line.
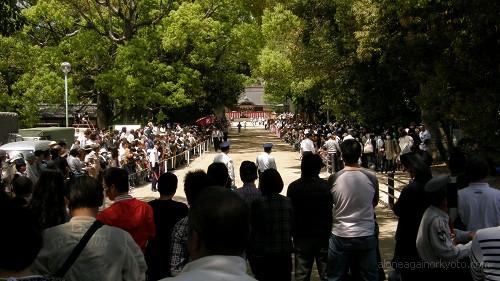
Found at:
[272, 267]
[155, 174]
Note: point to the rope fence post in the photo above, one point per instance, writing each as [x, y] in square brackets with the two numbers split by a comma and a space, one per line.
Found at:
[390, 184]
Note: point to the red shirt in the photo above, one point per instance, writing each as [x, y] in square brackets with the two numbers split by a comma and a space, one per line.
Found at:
[134, 216]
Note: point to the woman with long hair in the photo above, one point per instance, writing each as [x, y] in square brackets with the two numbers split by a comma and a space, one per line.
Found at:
[48, 201]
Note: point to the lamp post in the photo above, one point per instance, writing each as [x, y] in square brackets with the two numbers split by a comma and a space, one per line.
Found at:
[66, 68]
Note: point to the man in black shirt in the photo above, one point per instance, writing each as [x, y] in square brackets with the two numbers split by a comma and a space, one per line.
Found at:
[312, 207]
[166, 214]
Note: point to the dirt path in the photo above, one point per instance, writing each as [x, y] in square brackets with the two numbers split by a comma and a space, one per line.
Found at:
[246, 146]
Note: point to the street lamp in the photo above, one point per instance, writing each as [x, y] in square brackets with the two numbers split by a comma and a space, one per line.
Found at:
[66, 68]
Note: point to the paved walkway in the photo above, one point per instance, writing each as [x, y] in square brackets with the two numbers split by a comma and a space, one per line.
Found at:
[246, 146]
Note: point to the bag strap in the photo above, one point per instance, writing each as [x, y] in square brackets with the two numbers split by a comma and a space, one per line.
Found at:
[78, 249]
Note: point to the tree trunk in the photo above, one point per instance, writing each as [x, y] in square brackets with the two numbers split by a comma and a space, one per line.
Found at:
[439, 137]
[103, 110]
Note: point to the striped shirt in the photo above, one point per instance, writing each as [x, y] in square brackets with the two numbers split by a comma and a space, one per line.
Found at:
[485, 254]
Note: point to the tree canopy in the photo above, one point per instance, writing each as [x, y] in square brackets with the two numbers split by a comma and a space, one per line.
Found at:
[374, 62]
[378, 62]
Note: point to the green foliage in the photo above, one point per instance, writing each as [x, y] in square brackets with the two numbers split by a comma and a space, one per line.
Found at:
[135, 59]
[11, 18]
[386, 62]
[366, 61]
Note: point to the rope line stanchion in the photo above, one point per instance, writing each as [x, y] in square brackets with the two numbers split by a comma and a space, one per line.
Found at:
[390, 184]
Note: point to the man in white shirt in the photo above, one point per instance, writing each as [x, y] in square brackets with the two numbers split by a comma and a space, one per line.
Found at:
[265, 160]
[478, 203]
[222, 157]
[218, 225]
[307, 145]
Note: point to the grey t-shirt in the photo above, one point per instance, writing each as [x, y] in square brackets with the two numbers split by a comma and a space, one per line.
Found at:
[353, 191]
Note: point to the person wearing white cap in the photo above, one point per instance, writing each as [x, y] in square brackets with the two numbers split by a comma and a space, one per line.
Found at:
[265, 160]
[435, 244]
[222, 157]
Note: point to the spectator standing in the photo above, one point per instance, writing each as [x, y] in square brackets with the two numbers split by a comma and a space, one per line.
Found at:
[19, 245]
[391, 152]
[194, 183]
[110, 254]
[84, 138]
[218, 174]
[425, 138]
[167, 213]
[405, 142]
[134, 216]
[75, 144]
[270, 247]
[219, 225]
[312, 206]
[48, 200]
[353, 242]
[369, 150]
[32, 171]
[74, 163]
[92, 163]
[20, 168]
[23, 188]
[333, 148]
[307, 145]
[478, 203]
[410, 208]
[265, 160]
[485, 253]
[248, 174]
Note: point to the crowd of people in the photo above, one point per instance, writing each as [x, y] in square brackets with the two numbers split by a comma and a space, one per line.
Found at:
[382, 147]
[448, 225]
[142, 152]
